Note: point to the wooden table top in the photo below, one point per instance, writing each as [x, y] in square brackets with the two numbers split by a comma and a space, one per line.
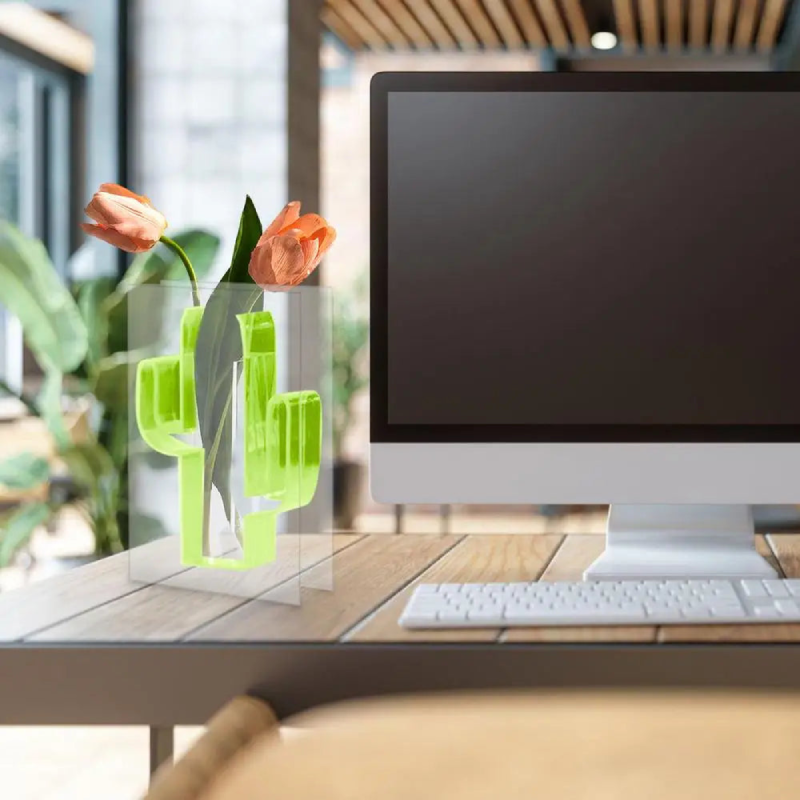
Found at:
[373, 576]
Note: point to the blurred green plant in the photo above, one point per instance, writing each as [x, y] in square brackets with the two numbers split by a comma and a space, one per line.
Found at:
[350, 349]
[83, 334]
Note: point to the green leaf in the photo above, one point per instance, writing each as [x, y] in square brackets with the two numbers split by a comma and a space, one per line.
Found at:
[219, 346]
[49, 404]
[350, 340]
[246, 240]
[144, 528]
[111, 379]
[90, 465]
[31, 288]
[92, 295]
[153, 267]
[117, 426]
[19, 527]
[24, 471]
[92, 469]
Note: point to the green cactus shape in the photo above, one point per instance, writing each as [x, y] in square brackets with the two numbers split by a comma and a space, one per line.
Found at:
[282, 438]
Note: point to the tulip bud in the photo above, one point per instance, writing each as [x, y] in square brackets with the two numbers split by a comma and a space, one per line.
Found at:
[290, 248]
[124, 219]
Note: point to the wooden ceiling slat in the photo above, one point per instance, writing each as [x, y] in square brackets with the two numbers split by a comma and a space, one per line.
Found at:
[49, 36]
[376, 24]
[576, 20]
[341, 28]
[698, 23]
[557, 33]
[430, 21]
[648, 16]
[457, 24]
[771, 19]
[359, 23]
[721, 25]
[674, 15]
[480, 23]
[504, 22]
[531, 29]
[746, 24]
[382, 22]
[407, 22]
[626, 24]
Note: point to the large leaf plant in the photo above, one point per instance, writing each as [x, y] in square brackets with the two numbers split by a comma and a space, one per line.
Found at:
[82, 334]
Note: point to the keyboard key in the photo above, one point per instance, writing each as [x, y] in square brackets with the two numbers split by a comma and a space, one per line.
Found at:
[452, 615]
[754, 589]
[776, 589]
[513, 614]
[728, 612]
[419, 618]
[488, 616]
[696, 613]
[788, 607]
[666, 615]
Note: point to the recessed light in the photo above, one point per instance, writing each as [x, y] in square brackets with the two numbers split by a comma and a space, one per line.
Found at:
[604, 40]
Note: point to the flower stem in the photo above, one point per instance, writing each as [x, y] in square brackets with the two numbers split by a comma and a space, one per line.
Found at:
[181, 253]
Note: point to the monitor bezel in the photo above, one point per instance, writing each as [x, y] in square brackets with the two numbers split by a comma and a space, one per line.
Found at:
[381, 430]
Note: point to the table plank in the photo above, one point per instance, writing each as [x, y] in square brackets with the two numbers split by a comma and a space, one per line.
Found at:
[374, 576]
[477, 559]
[786, 547]
[364, 575]
[575, 554]
[768, 632]
[39, 605]
[163, 613]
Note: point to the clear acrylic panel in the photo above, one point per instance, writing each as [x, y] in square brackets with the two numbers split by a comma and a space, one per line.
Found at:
[230, 470]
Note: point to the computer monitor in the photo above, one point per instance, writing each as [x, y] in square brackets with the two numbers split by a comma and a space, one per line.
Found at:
[586, 289]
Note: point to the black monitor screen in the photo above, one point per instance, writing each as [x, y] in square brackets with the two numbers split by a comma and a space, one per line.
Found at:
[593, 258]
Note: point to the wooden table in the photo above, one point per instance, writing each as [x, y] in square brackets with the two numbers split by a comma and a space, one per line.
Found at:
[89, 646]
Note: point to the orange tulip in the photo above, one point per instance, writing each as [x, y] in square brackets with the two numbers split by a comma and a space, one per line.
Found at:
[124, 219]
[290, 248]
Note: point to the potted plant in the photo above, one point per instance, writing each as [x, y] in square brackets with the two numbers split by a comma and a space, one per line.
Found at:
[350, 365]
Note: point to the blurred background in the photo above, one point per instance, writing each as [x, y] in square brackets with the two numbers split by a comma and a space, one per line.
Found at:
[195, 103]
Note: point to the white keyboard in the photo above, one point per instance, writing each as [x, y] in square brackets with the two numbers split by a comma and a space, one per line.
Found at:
[649, 602]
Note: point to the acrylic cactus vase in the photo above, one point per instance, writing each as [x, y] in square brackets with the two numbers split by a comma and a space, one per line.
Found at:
[281, 439]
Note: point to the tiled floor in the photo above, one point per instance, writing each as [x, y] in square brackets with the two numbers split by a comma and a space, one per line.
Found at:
[64, 763]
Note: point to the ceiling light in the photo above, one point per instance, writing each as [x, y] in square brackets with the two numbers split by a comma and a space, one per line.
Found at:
[604, 40]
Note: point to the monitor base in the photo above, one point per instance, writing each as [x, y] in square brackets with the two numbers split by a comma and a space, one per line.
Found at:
[679, 541]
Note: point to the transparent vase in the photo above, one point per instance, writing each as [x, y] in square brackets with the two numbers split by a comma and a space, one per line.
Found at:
[230, 465]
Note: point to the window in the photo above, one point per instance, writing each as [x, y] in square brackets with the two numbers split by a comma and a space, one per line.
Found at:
[41, 172]
[13, 80]
[9, 141]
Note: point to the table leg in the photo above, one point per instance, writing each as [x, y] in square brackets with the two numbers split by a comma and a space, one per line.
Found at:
[399, 513]
[162, 741]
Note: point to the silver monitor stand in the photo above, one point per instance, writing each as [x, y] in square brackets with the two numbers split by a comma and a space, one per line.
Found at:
[679, 541]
